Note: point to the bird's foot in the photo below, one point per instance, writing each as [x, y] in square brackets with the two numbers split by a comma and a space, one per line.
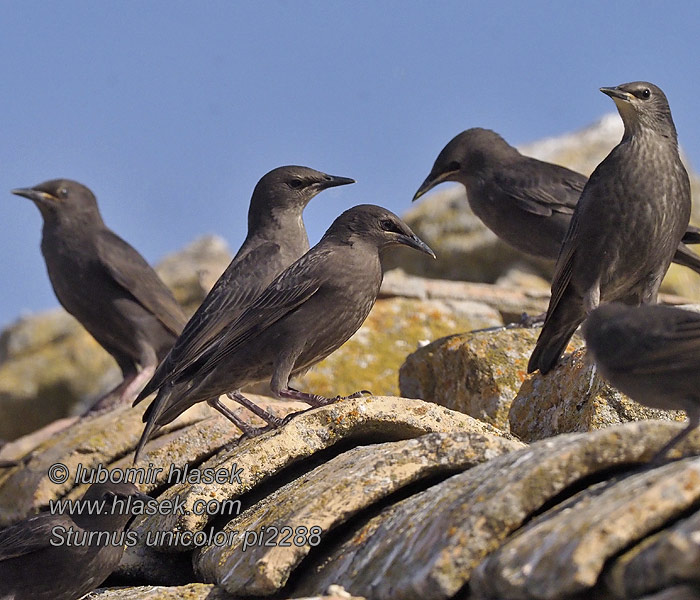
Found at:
[315, 400]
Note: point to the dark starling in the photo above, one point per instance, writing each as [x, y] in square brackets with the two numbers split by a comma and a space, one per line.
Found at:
[40, 559]
[526, 202]
[105, 284]
[632, 214]
[650, 353]
[304, 315]
[276, 238]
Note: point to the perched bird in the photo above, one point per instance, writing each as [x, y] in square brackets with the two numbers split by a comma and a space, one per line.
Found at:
[276, 238]
[304, 315]
[526, 202]
[62, 557]
[650, 353]
[627, 225]
[105, 284]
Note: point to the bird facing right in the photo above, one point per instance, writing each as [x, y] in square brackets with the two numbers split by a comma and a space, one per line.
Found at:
[627, 224]
[310, 310]
[650, 353]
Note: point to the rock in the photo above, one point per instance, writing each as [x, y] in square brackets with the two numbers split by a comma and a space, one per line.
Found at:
[427, 546]
[355, 421]
[47, 362]
[680, 592]
[108, 440]
[662, 560]
[336, 491]
[562, 552]
[371, 358]
[570, 399]
[477, 373]
[193, 591]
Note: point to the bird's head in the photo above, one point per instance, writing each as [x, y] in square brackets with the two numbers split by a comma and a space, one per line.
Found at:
[291, 188]
[106, 496]
[376, 226]
[61, 197]
[642, 105]
[465, 156]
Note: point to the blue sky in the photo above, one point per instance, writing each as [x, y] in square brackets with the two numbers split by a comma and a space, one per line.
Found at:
[170, 111]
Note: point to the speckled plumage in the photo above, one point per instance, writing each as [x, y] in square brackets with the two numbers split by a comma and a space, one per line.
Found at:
[526, 202]
[627, 225]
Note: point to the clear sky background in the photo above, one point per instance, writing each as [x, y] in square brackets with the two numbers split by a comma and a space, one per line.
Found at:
[171, 111]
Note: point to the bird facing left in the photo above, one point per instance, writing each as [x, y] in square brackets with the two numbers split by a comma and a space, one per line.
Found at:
[105, 284]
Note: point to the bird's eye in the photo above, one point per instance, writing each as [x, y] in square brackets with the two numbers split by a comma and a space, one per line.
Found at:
[453, 166]
[63, 193]
[109, 497]
[389, 225]
[646, 92]
[296, 183]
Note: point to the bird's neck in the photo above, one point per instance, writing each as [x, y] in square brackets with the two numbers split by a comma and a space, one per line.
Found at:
[282, 226]
[73, 224]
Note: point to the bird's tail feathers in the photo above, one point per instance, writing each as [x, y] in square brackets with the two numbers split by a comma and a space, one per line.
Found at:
[554, 337]
[151, 418]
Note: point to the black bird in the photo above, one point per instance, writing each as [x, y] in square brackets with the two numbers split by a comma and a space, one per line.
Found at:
[105, 284]
[526, 202]
[632, 214]
[62, 557]
[650, 353]
[276, 238]
[304, 315]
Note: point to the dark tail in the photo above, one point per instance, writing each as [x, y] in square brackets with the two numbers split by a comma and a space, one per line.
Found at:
[151, 418]
[691, 235]
[686, 257]
[558, 328]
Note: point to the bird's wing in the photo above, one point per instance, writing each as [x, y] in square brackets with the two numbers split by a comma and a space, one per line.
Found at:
[294, 286]
[31, 535]
[233, 292]
[564, 266]
[129, 270]
[672, 346]
[543, 190]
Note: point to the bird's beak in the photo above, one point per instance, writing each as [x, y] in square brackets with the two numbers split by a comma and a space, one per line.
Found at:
[413, 241]
[616, 93]
[335, 181]
[34, 195]
[430, 182]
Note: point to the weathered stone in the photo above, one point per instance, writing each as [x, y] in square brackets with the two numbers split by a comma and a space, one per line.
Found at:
[563, 551]
[360, 420]
[48, 361]
[426, 546]
[477, 373]
[335, 491]
[570, 399]
[193, 591]
[371, 358]
[670, 557]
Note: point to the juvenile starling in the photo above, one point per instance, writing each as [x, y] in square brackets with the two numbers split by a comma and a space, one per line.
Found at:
[304, 315]
[632, 214]
[526, 202]
[104, 283]
[650, 353]
[276, 238]
[62, 557]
